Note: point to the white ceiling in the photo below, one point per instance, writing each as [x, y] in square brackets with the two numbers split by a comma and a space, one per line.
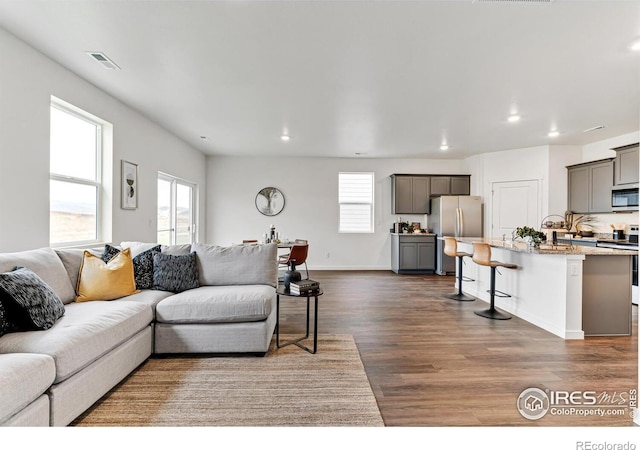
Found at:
[384, 78]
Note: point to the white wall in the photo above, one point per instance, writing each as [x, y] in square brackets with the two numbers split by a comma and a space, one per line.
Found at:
[561, 156]
[310, 188]
[511, 165]
[602, 149]
[27, 81]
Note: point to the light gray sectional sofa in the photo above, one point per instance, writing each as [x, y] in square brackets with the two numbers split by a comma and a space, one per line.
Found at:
[50, 377]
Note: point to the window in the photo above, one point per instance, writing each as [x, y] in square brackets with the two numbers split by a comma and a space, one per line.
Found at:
[176, 211]
[355, 195]
[75, 176]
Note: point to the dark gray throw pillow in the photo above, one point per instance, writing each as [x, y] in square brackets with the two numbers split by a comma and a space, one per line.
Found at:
[29, 302]
[4, 324]
[142, 264]
[175, 273]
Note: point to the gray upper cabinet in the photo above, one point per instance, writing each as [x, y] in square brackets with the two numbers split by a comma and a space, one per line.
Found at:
[626, 165]
[590, 186]
[461, 185]
[450, 185]
[440, 186]
[410, 194]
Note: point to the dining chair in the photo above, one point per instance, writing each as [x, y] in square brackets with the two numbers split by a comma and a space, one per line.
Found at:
[299, 252]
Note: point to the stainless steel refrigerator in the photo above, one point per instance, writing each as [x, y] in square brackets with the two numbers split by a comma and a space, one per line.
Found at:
[454, 215]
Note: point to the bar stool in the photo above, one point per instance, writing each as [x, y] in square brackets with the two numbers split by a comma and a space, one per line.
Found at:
[482, 256]
[451, 249]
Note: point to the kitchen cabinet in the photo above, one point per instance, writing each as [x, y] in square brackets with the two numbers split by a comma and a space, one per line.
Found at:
[589, 186]
[450, 185]
[413, 253]
[626, 165]
[410, 194]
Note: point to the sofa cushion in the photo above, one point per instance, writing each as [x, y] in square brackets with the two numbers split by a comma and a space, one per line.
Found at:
[142, 264]
[147, 297]
[24, 378]
[98, 280]
[47, 265]
[29, 302]
[237, 265]
[86, 332]
[175, 273]
[213, 304]
[139, 247]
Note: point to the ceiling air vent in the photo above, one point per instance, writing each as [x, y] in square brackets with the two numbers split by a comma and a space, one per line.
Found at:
[598, 127]
[103, 60]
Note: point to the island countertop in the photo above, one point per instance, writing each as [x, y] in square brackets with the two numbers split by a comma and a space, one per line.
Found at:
[548, 249]
[570, 291]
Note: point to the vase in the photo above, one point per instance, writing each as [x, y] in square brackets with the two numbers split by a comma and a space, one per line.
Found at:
[291, 275]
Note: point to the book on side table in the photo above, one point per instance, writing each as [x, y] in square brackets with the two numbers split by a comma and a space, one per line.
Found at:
[304, 287]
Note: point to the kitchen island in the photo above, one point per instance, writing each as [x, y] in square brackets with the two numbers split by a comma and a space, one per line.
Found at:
[570, 291]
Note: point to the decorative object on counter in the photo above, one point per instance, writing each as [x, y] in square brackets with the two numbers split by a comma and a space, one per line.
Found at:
[584, 225]
[618, 230]
[551, 224]
[534, 237]
[270, 201]
[568, 220]
[291, 275]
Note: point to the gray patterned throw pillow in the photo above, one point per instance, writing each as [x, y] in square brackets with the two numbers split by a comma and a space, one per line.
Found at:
[4, 325]
[29, 302]
[175, 273]
[142, 264]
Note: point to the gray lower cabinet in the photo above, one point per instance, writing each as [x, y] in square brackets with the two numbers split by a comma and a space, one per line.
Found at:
[413, 253]
[590, 187]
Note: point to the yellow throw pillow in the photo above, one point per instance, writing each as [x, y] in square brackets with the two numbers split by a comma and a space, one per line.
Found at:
[98, 280]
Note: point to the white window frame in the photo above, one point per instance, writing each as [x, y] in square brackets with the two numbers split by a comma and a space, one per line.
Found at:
[97, 182]
[175, 181]
[370, 202]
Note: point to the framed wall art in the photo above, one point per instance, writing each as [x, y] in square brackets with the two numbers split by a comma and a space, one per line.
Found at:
[129, 185]
[270, 201]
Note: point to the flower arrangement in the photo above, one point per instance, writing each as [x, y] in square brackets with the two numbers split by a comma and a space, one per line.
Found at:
[536, 237]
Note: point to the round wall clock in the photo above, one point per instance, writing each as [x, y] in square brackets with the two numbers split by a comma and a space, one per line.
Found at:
[270, 201]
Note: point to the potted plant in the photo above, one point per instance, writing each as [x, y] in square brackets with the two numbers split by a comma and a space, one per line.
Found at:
[531, 235]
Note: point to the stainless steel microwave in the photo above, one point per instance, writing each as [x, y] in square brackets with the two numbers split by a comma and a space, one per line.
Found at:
[624, 197]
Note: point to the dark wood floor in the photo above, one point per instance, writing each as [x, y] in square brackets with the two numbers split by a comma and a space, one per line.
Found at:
[432, 362]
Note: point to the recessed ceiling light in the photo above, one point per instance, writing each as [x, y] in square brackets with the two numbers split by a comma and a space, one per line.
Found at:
[444, 147]
[553, 133]
[513, 118]
[285, 137]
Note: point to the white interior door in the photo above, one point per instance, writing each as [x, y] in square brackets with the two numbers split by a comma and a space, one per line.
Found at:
[514, 204]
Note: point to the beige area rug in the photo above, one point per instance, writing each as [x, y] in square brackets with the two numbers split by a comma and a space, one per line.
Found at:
[287, 387]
